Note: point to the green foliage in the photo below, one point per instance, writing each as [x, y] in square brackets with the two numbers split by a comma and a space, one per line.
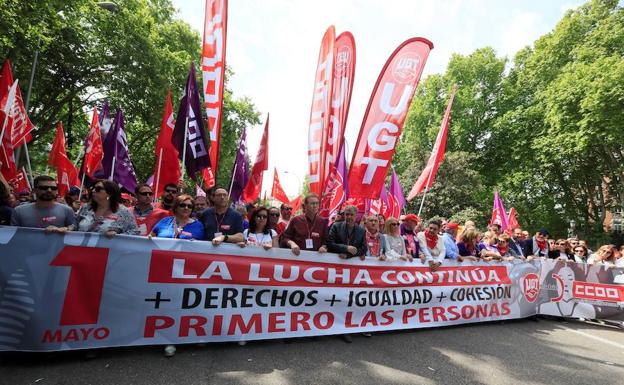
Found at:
[547, 133]
[88, 54]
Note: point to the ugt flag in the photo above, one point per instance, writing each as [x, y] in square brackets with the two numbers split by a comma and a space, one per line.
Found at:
[189, 130]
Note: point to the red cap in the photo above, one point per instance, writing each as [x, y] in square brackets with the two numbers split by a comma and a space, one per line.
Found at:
[411, 217]
[452, 225]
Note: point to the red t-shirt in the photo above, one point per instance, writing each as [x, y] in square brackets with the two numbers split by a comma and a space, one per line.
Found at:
[147, 222]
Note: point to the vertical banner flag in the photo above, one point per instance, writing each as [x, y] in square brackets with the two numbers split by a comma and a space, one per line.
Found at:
[240, 170]
[254, 184]
[296, 204]
[425, 180]
[8, 89]
[189, 124]
[499, 215]
[384, 117]
[19, 126]
[66, 173]
[167, 167]
[116, 164]
[213, 76]
[277, 192]
[335, 190]
[396, 200]
[93, 147]
[344, 73]
[320, 111]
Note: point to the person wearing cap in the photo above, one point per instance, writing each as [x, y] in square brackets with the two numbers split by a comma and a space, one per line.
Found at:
[408, 232]
[452, 251]
[537, 245]
[431, 245]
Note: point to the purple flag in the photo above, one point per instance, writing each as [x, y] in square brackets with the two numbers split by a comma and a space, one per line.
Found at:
[240, 170]
[116, 156]
[191, 124]
[396, 191]
[105, 120]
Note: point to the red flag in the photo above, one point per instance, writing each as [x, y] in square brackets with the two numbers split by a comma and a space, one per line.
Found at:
[58, 146]
[384, 117]
[213, 75]
[437, 154]
[296, 204]
[20, 181]
[66, 173]
[19, 125]
[254, 185]
[320, 111]
[344, 73]
[7, 160]
[277, 191]
[93, 147]
[167, 167]
[512, 221]
[333, 193]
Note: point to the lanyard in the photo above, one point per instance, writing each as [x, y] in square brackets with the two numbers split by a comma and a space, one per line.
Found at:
[308, 227]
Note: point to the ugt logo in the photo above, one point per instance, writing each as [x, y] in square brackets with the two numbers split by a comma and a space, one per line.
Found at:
[531, 286]
[406, 68]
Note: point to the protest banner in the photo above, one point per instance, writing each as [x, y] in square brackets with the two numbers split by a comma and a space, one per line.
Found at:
[81, 290]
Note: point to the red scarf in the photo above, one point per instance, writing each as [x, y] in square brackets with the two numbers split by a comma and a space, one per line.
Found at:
[432, 240]
[543, 245]
[503, 250]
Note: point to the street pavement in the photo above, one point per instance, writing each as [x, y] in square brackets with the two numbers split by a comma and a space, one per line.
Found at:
[547, 351]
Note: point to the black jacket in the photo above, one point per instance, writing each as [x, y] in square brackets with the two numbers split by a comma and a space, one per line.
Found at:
[339, 238]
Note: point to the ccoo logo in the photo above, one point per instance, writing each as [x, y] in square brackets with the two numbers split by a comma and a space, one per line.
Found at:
[406, 67]
[531, 286]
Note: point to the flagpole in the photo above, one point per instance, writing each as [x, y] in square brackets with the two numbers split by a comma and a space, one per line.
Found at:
[184, 148]
[112, 174]
[81, 184]
[158, 175]
[79, 155]
[28, 162]
[232, 180]
[422, 202]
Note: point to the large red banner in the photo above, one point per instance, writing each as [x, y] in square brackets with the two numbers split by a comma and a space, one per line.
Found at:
[213, 74]
[384, 117]
[321, 105]
[344, 73]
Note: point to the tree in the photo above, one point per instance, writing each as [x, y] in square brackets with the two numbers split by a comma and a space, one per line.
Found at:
[87, 54]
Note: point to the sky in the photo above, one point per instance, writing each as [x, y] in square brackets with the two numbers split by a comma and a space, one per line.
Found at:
[272, 47]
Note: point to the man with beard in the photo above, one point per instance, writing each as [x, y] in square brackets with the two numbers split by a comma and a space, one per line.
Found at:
[168, 197]
[516, 242]
[537, 246]
[306, 231]
[44, 213]
[432, 245]
[145, 214]
[346, 238]
[286, 213]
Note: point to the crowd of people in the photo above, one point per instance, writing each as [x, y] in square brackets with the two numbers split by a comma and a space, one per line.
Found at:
[104, 209]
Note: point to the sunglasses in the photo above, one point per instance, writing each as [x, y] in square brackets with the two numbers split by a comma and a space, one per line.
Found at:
[170, 191]
[261, 216]
[394, 224]
[46, 188]
[98, 188]
[146, 193]
[579, 251]
[274, 215]
[185, 206]
[287, 209]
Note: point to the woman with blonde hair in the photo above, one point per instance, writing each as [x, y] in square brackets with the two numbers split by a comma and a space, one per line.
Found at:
[394, 244]
[468, 250]
[605, 255]
[488, 249]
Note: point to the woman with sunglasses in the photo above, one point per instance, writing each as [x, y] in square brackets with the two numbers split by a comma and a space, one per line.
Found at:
[605, 255]
[580, 254]
[561, 251]
[394, 244]
[106, 215]
[259, 233]
[181, 225]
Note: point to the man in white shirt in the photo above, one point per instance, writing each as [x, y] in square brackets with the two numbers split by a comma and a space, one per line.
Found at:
[432, 245]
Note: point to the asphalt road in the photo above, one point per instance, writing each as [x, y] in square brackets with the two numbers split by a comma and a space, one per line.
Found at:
[516, 352]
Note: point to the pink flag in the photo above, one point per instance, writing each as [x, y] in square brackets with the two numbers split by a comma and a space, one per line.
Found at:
[499, 215]
[437, 154]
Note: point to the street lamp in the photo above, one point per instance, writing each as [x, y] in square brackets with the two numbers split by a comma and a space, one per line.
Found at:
[296, 176]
